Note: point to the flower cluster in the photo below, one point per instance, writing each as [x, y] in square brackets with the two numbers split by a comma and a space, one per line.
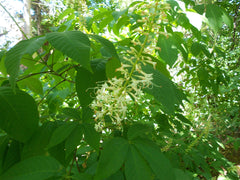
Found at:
[114, 96]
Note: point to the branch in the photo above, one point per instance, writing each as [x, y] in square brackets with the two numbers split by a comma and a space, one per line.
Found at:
[33, 74]
[69, 69]
[14, 21]
[50, 91]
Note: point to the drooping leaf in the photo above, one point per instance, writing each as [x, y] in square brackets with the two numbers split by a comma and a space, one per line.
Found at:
[163, 90]
[202, 74]
[14, 55]
[72, 113]
[61, 133]
[84, 86]
[91, 136]
[138, 130]
[136, 167]
[107, 45]
[36, 146]
[73, 140]
[111, 67]
[19, 114]
[37, 168]
[159, 164]
[33, 84]
[214, 16]
[168, 52]
[74, 44]
[196, 48]
[12, 155]
[99, 69]
[112, 157]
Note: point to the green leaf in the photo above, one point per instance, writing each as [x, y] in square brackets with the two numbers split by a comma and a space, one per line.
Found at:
[84, 83]
[107, 45]
[163, 90]
[123, 21]
[196, 48]
[99, 69]
[14, 55]
[183, 119]
[168, 52]
[12, 155]
[72, 113]
[91, 136]
[61, 133]
[73, 140]
[181, 175]
[36, 146]
[158, 162]
[2, 68]
[74, 44]
[138, 129]
[19, 114]
[199, 9]
[112, 157]
[214, 16]
[33, 84]
[227, 19]
[117, 176]
[111, 67]
[136, 167]
[83, 176]
[202, 74]
[37, 168]
[4, 144]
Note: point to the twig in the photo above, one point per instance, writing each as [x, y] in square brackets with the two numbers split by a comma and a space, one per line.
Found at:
[50, 91]
[78, 168]
[69, 69]
[33, 74]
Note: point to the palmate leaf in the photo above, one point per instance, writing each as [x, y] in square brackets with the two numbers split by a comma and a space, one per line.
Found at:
[37, 168]
[19, 114]
[74, 44]
[61, 133]
[106, 44]
[112, 157]
[14, 55]
[163, 90]
[136, 167]
[73, 139]
[159, 164]
[84, 86]
[91, 136]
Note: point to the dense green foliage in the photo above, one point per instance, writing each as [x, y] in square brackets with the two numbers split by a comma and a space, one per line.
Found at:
[95, 99]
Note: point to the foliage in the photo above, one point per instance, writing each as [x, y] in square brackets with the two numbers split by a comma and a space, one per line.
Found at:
[78, 105]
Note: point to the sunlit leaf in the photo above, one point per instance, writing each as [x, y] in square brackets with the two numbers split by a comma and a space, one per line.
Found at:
[14, 55]
[74, 44]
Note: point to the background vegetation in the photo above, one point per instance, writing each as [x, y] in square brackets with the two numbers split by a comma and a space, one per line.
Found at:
[114, 90]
